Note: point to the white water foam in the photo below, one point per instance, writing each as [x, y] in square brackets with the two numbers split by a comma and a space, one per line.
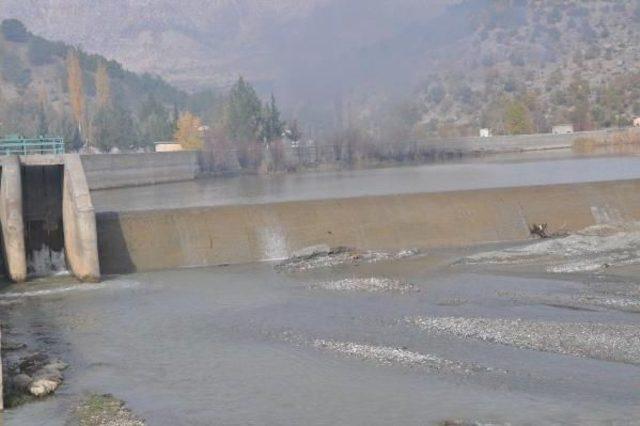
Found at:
[46, 262]
[124, 284]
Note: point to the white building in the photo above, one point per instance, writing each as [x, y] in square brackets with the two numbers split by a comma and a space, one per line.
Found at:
[485, 133]
[562, 129]
[636, 122]
[168, 147]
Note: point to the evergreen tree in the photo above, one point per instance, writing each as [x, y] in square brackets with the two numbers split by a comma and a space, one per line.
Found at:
[114, 127]
[243, 113]
[155, 123]
[43, 125]
[271, 125]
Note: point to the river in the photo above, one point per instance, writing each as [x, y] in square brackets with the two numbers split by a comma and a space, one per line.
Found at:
[239, 345]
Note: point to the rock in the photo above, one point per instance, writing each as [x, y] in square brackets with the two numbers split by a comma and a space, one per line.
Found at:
[13, 346]
[312, 251]
[56, 365]
[21, 382]
[33, 363]
[43, 387]
[49, 374]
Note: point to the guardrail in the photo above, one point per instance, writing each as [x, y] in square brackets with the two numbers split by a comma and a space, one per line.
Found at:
[31, 146]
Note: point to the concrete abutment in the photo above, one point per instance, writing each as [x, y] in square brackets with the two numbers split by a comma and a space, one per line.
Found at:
[45, 206]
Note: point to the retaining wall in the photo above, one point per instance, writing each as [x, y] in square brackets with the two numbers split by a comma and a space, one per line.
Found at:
[247, 233]
[119, 170]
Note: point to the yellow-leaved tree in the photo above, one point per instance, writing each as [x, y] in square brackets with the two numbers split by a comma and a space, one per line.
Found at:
[189, 132]
[103, 86]
[76, 89]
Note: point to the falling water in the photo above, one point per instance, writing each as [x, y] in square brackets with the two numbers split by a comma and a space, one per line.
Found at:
[46, 262]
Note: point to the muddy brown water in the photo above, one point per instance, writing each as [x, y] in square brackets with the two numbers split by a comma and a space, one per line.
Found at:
[235, 345]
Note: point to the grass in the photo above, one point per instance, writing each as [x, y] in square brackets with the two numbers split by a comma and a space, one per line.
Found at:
[624, 142]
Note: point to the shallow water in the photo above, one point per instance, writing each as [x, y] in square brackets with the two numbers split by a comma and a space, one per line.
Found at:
[249, 345]
[477, 174]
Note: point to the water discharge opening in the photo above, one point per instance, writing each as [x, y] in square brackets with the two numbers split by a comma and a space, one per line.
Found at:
[42, 191]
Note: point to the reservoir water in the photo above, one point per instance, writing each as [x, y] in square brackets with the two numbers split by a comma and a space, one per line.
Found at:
[477, 174]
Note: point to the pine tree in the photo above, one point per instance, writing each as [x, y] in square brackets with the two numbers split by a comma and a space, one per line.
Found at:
[155, 122]
[272, 126]
[112, 127]
[43, 125]
[243, 113]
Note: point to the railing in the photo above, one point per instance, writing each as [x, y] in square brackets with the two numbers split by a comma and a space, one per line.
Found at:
[31, 146]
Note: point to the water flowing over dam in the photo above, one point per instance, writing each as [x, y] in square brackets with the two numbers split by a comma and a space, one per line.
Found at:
[250, 218]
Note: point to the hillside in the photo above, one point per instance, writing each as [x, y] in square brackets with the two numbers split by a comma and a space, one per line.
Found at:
[35, 93]
[397, 69]
[572, 61]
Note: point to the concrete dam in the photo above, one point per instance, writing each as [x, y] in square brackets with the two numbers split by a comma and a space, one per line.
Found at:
[46, 202]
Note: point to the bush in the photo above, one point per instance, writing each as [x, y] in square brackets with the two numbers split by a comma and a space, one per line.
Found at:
[14, 30]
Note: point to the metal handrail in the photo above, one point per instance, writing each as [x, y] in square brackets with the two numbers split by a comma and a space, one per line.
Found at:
[22, 146]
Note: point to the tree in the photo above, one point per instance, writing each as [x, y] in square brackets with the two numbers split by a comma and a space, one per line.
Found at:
[15, 31]
[76, 88]
[243, 112]
[154, 122]
[113, 127]
[43, 125]
[294, 133]
[189, 133]
[103, 86]
[579, 99]
[517, 119]
[271, 125]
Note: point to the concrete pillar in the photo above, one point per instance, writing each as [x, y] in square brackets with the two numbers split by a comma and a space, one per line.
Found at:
[79, 218]
[12, 221]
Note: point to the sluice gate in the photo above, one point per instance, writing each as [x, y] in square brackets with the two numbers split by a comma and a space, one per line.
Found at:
[47, 218]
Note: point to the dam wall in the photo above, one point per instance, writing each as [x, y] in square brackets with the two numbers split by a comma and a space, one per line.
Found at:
[151, 240]
[120, 170]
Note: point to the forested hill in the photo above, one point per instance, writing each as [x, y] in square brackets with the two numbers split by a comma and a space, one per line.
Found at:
[50, 87]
